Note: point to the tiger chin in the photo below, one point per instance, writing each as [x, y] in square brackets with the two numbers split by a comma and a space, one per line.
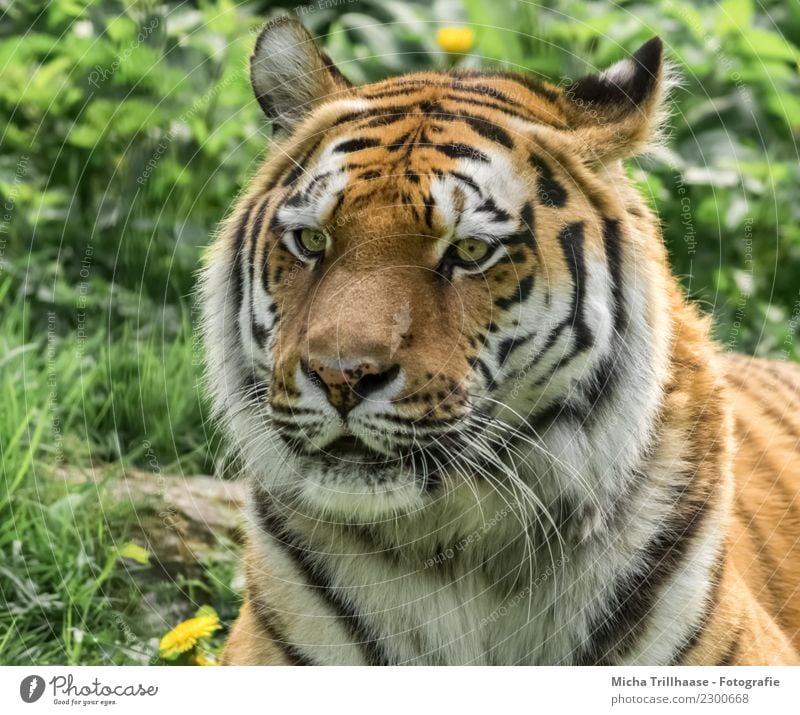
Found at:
[480, 422]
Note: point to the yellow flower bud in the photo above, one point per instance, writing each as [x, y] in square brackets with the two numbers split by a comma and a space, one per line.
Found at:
[457, 40]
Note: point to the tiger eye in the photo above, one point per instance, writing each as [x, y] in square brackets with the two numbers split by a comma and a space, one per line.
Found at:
[471, 250]
[312, 240]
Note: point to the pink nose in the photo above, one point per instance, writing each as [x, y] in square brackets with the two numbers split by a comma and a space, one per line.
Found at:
[347, 387]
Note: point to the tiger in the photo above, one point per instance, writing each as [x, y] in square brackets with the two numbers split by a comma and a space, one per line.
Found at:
[480, 421]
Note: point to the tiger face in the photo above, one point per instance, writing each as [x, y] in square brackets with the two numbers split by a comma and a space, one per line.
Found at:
[419, 263]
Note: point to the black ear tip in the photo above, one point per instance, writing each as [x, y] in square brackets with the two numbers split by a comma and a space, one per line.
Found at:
[625, 84]
[649, 55]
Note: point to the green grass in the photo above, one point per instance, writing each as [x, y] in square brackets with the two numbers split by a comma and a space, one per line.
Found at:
[67, 596]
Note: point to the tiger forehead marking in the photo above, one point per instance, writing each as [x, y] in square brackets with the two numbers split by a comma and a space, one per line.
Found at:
[416, 143]
[393, 187]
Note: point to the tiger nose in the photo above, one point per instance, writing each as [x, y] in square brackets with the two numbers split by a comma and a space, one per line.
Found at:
[347, 386]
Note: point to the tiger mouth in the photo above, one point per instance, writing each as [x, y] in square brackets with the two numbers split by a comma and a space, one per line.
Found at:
[350, 451]
[350, 448]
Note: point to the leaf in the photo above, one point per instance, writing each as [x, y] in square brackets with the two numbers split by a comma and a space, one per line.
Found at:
[135, 552]
[768, 45]
[734, 16]
[787, 107]
[206, 611]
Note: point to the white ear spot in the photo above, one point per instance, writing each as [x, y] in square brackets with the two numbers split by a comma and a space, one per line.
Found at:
[620, 73]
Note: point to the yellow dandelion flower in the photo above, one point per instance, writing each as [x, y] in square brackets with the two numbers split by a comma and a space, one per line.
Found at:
[203, 659]
[185, 635]
[457, 40]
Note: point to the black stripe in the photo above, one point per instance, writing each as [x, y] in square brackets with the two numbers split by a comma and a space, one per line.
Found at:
[551, 192]
[337, 204]
[602, 381]
[633, 594]
[517, 111]
[273, 632]
[385, 119]
[476, 362]
[458, 91]
[732, 651]
[488, 130]
[526, 236]
[480, 125]
[571, 240]
[613, 246]
[295, 199]
[258, 221]
[320, 582]
[430, 108]
[407, 90]
[509, 345]
[524, 288]
[350, 116]
[253, 388]
[294, 411]
[455, 88]
[398, 143]
[255, 233]
[299, 164]
[460, 82]
[379, 116]
[489, 206]
[293, 174]
[513, 257]
[483, 90]
[239, 246]
[563, 410]
[527, 82]
[466, 179]
[350, 145]
[429, 205]
[552, 338]
[711, 606]
[460, 151]
[607, 373]
[257, 329]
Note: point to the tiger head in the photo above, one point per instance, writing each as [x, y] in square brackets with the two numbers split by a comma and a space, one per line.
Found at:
[425, 268]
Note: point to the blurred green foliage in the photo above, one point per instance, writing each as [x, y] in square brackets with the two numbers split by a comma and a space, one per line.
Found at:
[127, 128]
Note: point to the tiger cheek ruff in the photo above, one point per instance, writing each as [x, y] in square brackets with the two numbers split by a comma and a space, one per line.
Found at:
[480, 421]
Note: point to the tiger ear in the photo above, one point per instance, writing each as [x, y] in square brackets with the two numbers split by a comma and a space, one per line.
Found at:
[290, 75]
[619, 113]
